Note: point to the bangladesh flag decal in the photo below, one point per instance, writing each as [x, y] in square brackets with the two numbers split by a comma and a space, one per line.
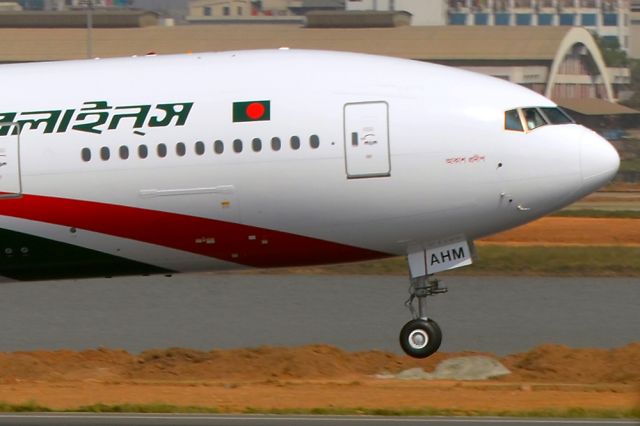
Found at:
[251, 111]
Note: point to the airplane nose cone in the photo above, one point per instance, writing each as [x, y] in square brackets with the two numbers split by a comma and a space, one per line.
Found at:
[599, 161]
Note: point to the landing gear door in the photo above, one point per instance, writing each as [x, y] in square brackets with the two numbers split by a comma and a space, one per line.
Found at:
[10, 182]
[366, 139]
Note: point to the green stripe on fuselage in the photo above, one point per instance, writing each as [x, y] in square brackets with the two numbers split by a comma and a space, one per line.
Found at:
[26, 257]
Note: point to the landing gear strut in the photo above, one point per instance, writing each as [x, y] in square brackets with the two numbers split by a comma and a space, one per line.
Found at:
[421, 336]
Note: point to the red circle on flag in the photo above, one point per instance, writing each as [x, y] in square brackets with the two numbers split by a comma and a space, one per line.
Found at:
[255, 110]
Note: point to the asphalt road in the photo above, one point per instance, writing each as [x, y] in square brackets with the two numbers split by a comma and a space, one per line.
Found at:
[198, 420]
[500, 315]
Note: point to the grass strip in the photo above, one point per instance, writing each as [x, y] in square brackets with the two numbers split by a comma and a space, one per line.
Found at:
[163, 408]
[25, 407]
[154, 408]
[495, 259]
[572, 412]
[594, 261]
[596, 213]
[632, 165]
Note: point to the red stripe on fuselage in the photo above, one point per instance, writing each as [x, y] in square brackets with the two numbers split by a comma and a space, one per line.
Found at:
[242, 244]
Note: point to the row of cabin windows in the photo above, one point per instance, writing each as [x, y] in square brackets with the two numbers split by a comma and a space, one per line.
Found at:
[199, 148]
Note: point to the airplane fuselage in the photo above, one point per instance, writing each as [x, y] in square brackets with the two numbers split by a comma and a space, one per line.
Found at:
[267, 159]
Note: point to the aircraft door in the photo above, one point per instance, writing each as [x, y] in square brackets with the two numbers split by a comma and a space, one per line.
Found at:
[10, 181]
[366, 139]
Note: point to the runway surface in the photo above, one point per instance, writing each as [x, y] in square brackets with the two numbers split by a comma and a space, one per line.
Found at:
[501, 315]
[198, 420]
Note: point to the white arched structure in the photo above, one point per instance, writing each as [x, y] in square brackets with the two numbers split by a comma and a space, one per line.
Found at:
[578, 36]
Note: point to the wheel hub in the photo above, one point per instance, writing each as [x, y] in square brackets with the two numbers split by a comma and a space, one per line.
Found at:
[418, 339]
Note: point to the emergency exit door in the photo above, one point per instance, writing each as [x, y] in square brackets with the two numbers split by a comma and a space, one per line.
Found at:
[366, 139]
[10, 182]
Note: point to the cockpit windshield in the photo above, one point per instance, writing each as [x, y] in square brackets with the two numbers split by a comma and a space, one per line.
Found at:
[531, 118]
[556, 116]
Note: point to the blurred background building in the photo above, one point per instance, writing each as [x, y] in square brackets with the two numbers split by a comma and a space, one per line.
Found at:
[573, 51]
[432, 12]
[609, 19]
[634, 31]
[69, 4]
[257, 11]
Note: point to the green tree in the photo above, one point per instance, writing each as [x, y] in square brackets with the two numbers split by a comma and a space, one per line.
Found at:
[614, 56]
[611, 50]
[634, 86]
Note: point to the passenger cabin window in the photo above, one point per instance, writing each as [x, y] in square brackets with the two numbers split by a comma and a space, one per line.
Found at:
[256, 144]
[314, 141]
[181, 149]
[124, 152]
[162, 150]
[104, 153]
[295, 142]
[237, 145]
[556, 116]
[85, 154]
[512, 121]
[143, 151]
[218, 147]
[276, 144]
[199, 147]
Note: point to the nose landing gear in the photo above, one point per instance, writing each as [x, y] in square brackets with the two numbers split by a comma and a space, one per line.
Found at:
[421, 336]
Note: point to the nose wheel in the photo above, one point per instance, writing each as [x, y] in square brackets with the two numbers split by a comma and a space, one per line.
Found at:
[421, 336]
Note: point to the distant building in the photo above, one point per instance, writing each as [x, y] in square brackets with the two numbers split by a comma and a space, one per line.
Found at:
[276, 7]
[102, 18]
[72, 4]
[220, 8]
[634, 31]
[305, 6]
[10, 6]
[607, 118]
[167, 9]
[32, 4]
[424, 12]
[242, 11]
[610, 19]
[357, 19]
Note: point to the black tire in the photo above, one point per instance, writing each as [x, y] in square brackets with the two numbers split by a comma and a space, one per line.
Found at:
[412, 332]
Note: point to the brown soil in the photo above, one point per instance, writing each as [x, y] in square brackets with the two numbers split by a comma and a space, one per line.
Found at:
[550, 376]
[572, 230]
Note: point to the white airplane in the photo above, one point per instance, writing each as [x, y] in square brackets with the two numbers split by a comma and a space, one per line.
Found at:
[165, 164]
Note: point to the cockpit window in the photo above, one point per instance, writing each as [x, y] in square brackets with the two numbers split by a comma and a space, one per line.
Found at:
[512, 121]
[556, 116]
[533, 118]
[527, 119]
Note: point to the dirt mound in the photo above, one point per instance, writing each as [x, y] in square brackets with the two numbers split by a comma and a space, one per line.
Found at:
[101, 364]
[563, 364]
[265, 363]
[573, 230]
[548, 363]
